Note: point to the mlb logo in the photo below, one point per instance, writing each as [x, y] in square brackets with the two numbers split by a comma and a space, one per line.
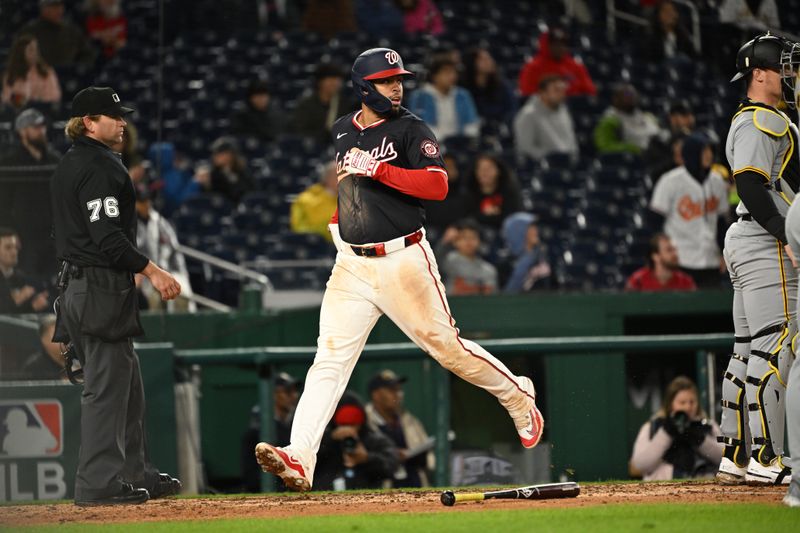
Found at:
[31, 428]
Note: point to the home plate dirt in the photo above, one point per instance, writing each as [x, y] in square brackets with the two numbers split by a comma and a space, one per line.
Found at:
[289, 505]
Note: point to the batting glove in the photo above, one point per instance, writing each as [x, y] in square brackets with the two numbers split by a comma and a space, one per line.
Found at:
[360, 163]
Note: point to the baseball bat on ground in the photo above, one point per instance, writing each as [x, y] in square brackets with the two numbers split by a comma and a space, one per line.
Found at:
[533, 492]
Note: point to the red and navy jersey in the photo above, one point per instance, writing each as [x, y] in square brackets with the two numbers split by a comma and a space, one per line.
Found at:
[369, 210]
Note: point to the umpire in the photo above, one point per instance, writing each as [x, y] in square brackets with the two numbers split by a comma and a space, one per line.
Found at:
[95, 231]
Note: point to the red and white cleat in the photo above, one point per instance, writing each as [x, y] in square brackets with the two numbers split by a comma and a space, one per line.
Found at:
[284, 465]
[530, 426]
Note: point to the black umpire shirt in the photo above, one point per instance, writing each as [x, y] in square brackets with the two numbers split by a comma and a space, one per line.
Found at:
[369, 211]
[94, 209]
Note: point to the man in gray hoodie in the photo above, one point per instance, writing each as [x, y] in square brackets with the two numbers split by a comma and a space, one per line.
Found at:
[544, 124]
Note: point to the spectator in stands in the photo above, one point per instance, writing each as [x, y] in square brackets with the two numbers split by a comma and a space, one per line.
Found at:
[46, 362]
[662, 272]
[315, 113]
[28, 78]
[17, 291]
[329, 17]
[441, 214]
[157, 239]
[679, 441]
[177, 182]
[447, 108]
[353, 454]
[624, 127]
[107, 25]
[412, 444]
[490, 90]
[688, 202]
[544, 124]
[380, 19]
[464, 271]
[492, 192]
[663, 152]
[531, 269]
[667, 38]
[25, 201]
[284, 399]
[285, 394]
[33, 148]
[229, 174]
[750, 16]
[554, 58]
[578, 10]
[61, 42]
[421, 16]
[260, 116]
[313, 208]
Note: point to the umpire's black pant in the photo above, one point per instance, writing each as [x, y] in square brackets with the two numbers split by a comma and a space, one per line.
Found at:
[112, 406]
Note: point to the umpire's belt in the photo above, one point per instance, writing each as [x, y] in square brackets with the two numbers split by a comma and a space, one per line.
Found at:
[385, 248]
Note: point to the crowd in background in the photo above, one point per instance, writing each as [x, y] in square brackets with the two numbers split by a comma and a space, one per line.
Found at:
[486, 232]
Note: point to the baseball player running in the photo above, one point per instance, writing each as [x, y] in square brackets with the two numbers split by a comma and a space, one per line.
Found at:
[762, 152]
[388, 161]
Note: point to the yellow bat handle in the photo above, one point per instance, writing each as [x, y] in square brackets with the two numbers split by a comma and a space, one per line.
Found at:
[469, 497]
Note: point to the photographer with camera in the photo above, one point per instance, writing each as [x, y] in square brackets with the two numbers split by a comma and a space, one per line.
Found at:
[353, 455]
[679, 441]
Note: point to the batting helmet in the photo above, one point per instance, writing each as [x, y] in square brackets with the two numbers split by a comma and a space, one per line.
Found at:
[762, 52]
[374, 64]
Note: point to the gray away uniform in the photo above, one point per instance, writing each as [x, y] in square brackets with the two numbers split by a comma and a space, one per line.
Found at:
[793, 384]
[761, 140]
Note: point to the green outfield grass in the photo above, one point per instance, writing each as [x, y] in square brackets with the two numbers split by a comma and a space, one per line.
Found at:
[612, 518]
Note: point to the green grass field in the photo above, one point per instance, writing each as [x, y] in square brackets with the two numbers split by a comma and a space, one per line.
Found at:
[612, 518]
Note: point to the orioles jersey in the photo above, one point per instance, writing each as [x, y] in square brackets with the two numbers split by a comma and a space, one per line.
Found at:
[370, 211]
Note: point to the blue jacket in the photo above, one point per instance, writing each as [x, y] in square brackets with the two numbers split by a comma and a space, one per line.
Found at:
[422, 103]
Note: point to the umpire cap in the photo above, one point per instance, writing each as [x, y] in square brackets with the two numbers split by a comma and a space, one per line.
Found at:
[763, 52]
[98, 101]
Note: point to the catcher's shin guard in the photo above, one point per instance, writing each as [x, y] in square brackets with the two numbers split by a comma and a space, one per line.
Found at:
[766, 385]
[734, 423]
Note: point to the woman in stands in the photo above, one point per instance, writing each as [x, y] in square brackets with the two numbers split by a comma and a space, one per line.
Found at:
[28, 78]
[679, 441]
[493, 193]
[491, 91]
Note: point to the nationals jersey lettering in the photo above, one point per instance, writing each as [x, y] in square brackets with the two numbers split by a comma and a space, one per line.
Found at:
[383, 153]
[370, 211]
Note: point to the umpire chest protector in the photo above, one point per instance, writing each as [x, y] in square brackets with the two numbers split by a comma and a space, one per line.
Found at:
[369, 211]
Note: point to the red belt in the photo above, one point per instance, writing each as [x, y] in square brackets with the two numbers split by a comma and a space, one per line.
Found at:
[379, 250]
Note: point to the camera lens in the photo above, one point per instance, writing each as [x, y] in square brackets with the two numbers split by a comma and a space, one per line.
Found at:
[349, 444]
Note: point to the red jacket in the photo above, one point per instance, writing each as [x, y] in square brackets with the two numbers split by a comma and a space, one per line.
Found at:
[542, 64]
[645, 280]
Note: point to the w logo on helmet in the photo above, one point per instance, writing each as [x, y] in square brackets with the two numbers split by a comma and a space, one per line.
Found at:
[392, 57]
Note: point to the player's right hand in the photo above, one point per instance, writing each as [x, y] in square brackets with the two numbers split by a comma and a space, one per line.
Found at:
[791, 255]
[360, 163]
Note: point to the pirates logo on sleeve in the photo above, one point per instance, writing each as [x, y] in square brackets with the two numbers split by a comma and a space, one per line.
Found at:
[429, 149]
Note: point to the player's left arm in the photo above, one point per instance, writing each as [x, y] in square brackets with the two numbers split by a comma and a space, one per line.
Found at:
[427, 179]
